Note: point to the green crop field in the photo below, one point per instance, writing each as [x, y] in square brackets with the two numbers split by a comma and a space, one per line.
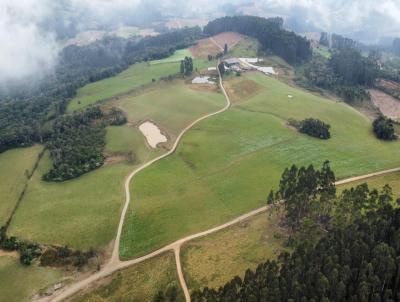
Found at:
[13, 176]
[84, 212]
[19, 283]
[214, 260]
[138, 283]
[227, 164]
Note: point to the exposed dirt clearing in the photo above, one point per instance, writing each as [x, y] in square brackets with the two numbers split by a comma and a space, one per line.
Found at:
[387, 104]
[230, 38]
[215, 44]
[240, 91]
[203, 48]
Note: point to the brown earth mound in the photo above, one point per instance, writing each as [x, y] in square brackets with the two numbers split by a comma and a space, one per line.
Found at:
[387, 104]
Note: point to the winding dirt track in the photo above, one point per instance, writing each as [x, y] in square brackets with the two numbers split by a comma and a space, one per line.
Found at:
[115, 264]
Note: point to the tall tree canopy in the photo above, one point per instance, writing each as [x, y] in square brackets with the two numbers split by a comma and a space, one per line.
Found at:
[270, 34]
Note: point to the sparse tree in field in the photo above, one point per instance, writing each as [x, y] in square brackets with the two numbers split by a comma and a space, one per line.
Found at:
[225, 49]
[186, 67]
[172, 294]
[221, 68]
[210, 57]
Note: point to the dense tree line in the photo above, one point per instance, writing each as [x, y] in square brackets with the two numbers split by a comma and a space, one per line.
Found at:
[347, 73]
[355, 255]
[270, 34]
[49, 256]
[383, 128]
[77, 141]
[26, 110]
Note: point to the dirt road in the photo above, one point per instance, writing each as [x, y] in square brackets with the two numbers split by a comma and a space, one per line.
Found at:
[115, 264]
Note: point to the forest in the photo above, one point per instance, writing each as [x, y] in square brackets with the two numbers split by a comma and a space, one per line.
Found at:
[27, 111]
[269, 32]
[344, 247]
[77, 141]
[347, 73]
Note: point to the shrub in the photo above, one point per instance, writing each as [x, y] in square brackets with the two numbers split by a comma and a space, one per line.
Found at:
[383, 128]
[315, 128]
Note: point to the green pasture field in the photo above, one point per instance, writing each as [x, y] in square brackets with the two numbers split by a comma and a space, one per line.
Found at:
[15, 167]
[84, 212]
[226, 165]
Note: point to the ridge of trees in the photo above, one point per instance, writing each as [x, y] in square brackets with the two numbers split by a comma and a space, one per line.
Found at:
[269, 32]
[26, 111]
[345, 248]
[347, 73]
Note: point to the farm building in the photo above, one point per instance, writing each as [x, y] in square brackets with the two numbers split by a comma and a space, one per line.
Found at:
[231, 62]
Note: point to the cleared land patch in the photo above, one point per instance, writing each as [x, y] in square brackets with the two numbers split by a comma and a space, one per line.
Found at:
[230, 38]
[136, 284]
[19, 283]
[214, 260]
[15, 165]
[226, 165]
[387, 104]
[84, 212]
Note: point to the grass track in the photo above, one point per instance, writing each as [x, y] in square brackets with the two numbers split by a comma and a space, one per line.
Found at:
[84, 212]
[18, 283]
[13, 167]
[138, 283]
[226, 165]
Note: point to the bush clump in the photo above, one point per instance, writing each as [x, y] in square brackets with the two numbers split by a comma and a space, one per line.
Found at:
[383, 128]
[312, 127]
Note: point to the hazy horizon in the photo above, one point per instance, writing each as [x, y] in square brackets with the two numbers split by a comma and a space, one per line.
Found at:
[31, 30]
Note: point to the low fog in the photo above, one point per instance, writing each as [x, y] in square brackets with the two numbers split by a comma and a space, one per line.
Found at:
[32, 32]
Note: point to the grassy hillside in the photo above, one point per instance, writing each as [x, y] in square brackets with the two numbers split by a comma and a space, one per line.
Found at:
[134, 77]
[214, 260]
[227, 164]
[392, 179]
[138, 283]
[19, 283]
[13, 175]
[84, 212]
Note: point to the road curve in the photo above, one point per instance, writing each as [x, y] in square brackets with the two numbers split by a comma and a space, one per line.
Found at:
[115, 264]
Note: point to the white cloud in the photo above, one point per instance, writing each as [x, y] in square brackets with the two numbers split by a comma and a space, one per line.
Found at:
[25, 49]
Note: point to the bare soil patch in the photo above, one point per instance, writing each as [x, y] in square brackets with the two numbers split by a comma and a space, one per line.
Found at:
[387, 104]
[240, 91]
[203, 48]
[390, 87]
[230, 38]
